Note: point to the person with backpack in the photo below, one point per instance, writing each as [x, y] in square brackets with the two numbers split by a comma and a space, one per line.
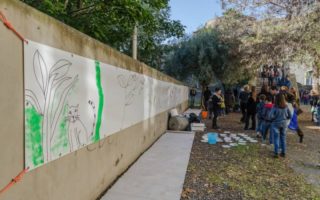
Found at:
[279, 115]
[244, 97]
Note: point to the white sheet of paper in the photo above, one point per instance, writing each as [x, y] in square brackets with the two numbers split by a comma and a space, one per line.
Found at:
[72, 101]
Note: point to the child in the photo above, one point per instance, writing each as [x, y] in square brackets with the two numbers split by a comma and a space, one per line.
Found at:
[262, 99]
[279, 115]
[266, 122]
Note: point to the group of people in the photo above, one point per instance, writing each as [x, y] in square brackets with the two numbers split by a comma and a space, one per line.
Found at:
[274, 75]
[270, 112]
[305, 96]
[276, 109]
[312, 97]
[315, 107]
[218, 104]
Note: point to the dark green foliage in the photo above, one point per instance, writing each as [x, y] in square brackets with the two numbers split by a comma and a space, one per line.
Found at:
[113, 21]
[205, 56]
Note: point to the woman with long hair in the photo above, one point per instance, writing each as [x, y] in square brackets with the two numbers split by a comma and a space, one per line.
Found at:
[279, 115]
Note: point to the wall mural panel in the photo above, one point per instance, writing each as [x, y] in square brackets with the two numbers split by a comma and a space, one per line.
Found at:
[72, 101]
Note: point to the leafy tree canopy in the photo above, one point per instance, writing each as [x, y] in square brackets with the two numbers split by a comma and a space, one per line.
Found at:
[113, 21]
[206, 56]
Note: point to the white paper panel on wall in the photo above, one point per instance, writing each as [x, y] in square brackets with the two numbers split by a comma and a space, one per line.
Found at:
[72, 101]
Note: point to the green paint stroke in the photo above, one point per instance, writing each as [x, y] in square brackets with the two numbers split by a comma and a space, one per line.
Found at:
[61, 144]
[33, 135]
[101, 101]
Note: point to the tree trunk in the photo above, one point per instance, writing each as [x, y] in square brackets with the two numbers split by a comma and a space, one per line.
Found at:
[202, 106]
[79, 4]
[315, 78]
[66, 2]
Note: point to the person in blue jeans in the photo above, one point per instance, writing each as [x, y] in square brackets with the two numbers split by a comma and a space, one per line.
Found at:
[279, 115]
[266, 122]
[260, 106]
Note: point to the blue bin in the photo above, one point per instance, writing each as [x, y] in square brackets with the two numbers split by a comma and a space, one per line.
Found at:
[212, 138]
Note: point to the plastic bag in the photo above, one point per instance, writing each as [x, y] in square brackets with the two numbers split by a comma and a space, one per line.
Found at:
[294, 121]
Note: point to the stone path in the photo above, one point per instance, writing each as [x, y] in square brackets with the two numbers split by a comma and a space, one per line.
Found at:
[158, 174]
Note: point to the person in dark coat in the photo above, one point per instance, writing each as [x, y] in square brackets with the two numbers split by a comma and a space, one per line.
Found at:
[244, 97]
[216, 106]
[229, 100]
[206, 96]
[274, 91]
[192, 94]
[251, 111]
[265, 91]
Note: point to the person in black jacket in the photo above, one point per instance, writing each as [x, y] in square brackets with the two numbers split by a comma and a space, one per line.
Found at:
[244, 96]
[274, 91]
[216, 106]
[192, 94]
[265, 91]
[229, 101]
[206, 95]
[251, 111]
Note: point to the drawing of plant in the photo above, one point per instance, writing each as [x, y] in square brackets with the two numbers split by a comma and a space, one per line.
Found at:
[132, 87]
[55, 86]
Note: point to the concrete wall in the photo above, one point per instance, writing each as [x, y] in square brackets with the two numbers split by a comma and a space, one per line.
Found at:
[82, 175]
[300, 71]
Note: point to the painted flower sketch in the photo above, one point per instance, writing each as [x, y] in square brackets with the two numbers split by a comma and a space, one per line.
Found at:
[132, 86]
[44, 109]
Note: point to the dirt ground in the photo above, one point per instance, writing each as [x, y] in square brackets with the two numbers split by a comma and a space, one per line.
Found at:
[251, 172]
[305, 157]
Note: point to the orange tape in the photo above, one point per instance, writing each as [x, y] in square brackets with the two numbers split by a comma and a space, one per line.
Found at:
[9, 26]
[14, 180]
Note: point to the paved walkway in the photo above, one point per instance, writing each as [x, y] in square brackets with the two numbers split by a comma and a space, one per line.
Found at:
[158, 174]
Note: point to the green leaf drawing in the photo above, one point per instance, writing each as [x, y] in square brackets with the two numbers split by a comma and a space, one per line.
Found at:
[33, 121]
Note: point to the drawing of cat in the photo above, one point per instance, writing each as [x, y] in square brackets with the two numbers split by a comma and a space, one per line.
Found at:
[77, 132]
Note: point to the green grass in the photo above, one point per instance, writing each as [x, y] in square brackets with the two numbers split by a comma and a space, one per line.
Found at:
[259, 176]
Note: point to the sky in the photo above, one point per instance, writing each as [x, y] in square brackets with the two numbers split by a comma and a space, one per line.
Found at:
[194, 13]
